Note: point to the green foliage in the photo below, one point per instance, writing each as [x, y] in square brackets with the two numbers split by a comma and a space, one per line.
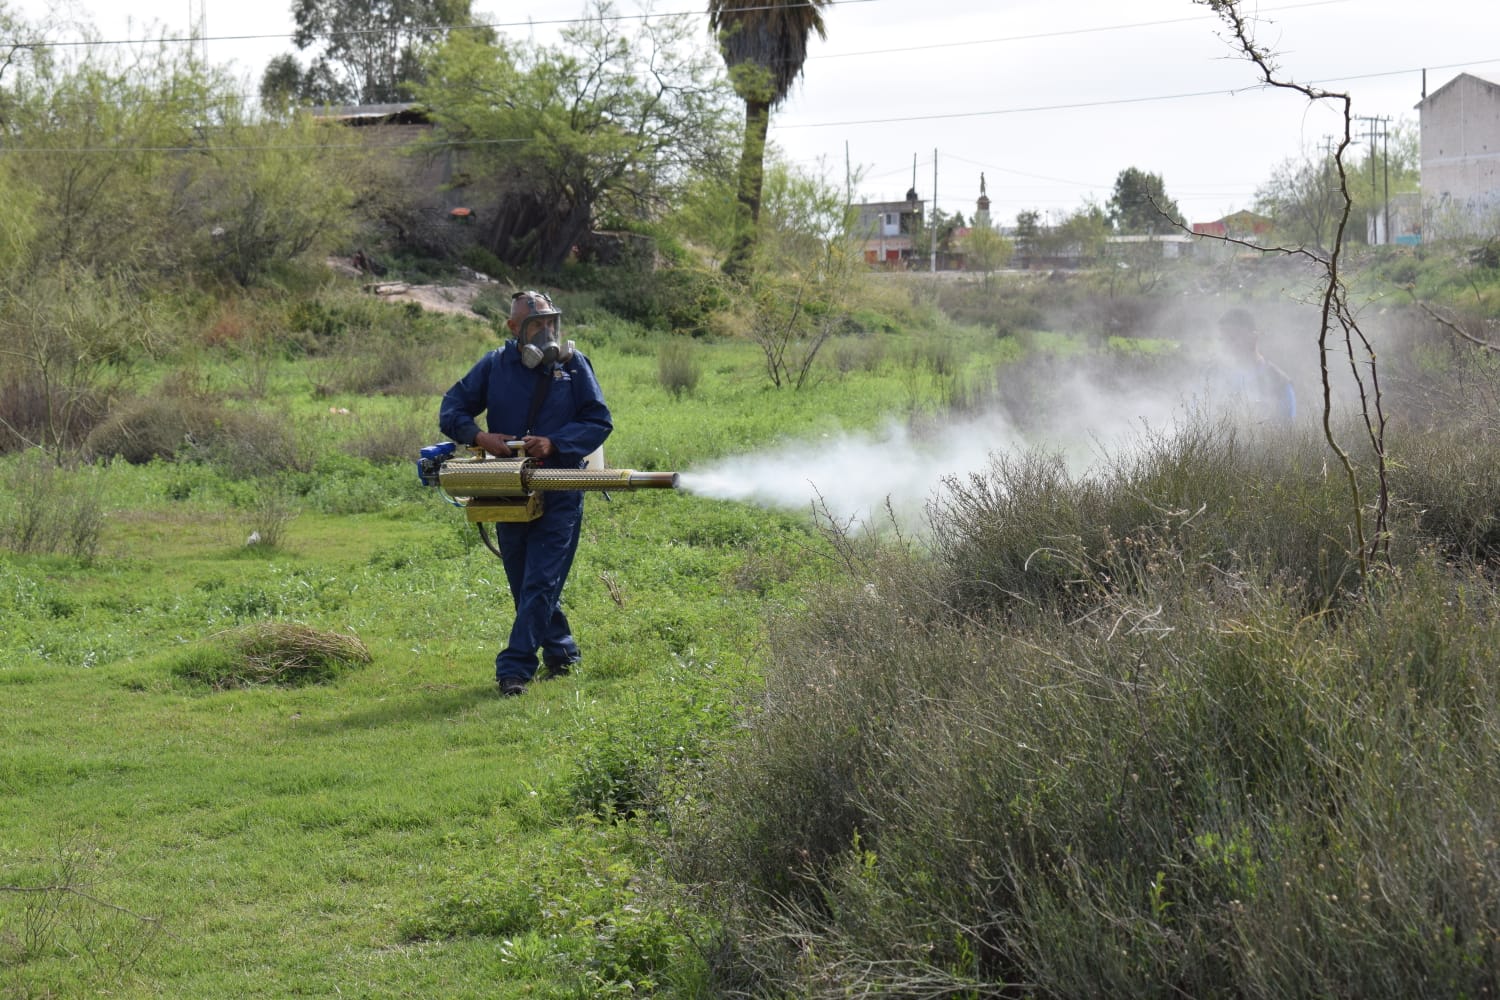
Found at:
[68, 337]
[678, 367]
[985, 250]
[269, 195]
[626, 762]
[368, 52]
[1305, 199]
[1140, 204]
[574, 912]
[958, 774]
[602, 126]
[45, 509]
[1158, 758]
[675, 299]
[252, 196]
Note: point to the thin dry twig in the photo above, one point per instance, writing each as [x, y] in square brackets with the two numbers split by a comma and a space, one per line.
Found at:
[1334, 308]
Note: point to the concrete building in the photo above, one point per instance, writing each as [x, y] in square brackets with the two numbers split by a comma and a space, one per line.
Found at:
[887, 227]
[1460, 143]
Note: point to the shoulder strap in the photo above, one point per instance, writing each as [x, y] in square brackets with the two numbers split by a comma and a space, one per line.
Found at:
[538, 396]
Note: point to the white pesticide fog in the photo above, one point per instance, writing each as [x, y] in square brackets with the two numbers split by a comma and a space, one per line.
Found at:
[859, 478]
[854, 476]
[1092, 411]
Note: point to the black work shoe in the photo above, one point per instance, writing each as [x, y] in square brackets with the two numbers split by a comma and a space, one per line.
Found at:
[561, 668]
[511, 686]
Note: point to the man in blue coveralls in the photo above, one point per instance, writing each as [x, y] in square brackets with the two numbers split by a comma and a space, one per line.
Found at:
[1264, 390]
[538, 390]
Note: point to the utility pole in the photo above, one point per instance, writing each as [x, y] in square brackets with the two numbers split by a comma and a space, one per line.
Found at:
[933, 224]
[1376, 129]
[198, 26]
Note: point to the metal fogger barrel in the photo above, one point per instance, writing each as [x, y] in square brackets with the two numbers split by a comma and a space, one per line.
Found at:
[510, 489]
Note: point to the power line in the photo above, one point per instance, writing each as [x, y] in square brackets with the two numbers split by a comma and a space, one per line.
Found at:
[425, 28]
[1062, 33]
[1031, 108]
[563, 21]
[1233, 92]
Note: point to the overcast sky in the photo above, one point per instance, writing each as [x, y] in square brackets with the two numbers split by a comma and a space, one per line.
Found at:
[1049, 99]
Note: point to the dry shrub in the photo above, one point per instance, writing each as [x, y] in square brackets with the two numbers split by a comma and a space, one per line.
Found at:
[678, 368]
[280, 653]
[269, 514]
[29, 416]
[864, 354]
[251, 443]
[384, 439]
[46, 510]
[383, 366]
[147, 427]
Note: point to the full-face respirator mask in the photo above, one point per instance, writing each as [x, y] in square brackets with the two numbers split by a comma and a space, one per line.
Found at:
[539, 332]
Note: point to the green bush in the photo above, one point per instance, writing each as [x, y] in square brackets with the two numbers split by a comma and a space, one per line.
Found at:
[677, 367]
[46, 509]
[1098, 709]
[677, 299]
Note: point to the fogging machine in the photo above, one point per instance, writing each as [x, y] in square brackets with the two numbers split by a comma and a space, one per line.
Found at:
[510, 489]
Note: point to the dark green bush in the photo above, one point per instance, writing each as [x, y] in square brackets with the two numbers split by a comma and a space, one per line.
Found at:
[677, 299]
[1094, 742]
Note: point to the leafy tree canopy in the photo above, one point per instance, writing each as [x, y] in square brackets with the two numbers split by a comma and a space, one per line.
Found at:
[367, 51]
[608, 124]
[1140, 204]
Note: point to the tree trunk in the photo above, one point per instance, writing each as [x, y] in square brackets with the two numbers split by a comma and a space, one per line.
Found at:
[534, 231]
[752, 175]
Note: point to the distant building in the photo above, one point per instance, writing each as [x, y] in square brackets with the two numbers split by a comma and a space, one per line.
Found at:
[1460, 143]
[1164, 246]
[1247, 226]
[887, 227]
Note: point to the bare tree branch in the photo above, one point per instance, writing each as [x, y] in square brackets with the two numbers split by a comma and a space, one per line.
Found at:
[1334, 306]
[1453, 327]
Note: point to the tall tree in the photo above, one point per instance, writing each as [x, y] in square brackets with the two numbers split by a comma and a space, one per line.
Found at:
[368, 51]
[1305, 197]
[764, 44]
[1140, 204]
[611, 123]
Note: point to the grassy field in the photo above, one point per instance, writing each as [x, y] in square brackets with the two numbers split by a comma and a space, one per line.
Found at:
[394, 828]
[1151, 705]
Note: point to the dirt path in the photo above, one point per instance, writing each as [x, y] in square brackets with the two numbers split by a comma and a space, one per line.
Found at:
[457, 298]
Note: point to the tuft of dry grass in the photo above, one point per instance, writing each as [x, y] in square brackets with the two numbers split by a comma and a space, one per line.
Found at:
[280, 653]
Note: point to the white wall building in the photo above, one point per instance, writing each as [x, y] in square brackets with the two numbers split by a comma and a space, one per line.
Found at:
[1460, 142]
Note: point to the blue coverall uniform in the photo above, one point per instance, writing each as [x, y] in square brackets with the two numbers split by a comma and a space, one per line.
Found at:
[537, 554]
[1265, 390]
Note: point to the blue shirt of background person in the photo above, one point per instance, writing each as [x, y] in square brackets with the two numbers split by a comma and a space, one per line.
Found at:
[1263, 387]
[538, 390]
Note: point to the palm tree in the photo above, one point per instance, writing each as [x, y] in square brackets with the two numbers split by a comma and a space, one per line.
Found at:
[764, 43]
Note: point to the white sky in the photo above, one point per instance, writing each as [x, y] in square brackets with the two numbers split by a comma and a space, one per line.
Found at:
[1050, 99]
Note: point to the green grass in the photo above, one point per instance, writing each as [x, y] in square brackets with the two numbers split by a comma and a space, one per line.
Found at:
[393, 828]
[1130, 695]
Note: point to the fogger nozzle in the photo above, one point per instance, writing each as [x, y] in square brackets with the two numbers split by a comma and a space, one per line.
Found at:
[514, 477]
[509, 489]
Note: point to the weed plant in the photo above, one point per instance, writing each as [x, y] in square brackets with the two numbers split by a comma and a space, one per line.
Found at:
[48, 510]
[1105, 739]
[678, 367]
[1142, 758]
